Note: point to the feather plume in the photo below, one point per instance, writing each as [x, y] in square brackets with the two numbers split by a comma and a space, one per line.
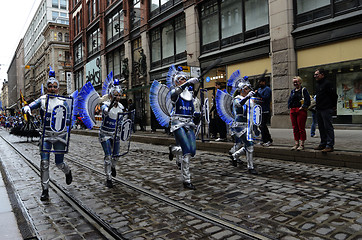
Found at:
[160, 102]
[88, 98]
[107, 83]
[74, 95]
[224, 106]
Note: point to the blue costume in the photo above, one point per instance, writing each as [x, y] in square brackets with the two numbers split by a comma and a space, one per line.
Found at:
[110, 144]
[182, 117]
[50, 138]
[242, 114]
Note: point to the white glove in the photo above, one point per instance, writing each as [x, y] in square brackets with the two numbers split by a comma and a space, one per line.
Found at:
[250, 94]
[193, 80]
[27, 109]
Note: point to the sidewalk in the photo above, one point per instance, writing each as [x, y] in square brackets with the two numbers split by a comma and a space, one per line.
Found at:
[347, 153]
[8, 228]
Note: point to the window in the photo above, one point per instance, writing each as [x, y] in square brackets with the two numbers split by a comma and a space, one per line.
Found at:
[55, 3]
[55, 15]
[78, 53]
[225, 22]
[158, 6]
[60, 37]
[168, 42]
[308, 5]
[63, 4]
[180, 34]
[78, 79]
[156, 45]
[66, 37]
[256, 14]
[231, 18]
[115, 26]
[309, 11]
[136, 14]
[94, 42]
[210, 22]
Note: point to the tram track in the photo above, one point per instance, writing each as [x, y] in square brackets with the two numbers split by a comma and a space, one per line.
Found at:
[104, 228]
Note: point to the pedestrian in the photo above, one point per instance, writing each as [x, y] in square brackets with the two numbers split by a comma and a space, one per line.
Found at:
[50, 138]
[110, 144]
[264, 93]
[312, 109]
[131, 107]
[298, 103]
[326, 104]
[218, 125]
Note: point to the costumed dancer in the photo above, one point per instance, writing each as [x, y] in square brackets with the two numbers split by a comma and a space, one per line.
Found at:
[50, 137]
[242, 114]
[110, 108]
[88, 99]
[174, 105]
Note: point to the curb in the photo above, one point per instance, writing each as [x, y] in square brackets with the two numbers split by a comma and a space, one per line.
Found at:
[334, 159]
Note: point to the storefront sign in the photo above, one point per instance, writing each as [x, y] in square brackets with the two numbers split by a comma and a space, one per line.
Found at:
[93, 72]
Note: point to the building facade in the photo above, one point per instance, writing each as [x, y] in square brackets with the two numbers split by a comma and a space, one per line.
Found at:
[140, 39]
[46, 43]
[4, 96]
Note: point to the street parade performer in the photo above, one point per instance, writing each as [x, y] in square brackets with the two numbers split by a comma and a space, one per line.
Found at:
[174, 107]
[56, 113]
[112, 114]
[240, 111]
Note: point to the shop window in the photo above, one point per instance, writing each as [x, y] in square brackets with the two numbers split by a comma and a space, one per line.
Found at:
[346, 78]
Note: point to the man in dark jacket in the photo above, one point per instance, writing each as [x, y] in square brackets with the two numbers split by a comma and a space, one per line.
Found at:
[264, 92]
[326, 103]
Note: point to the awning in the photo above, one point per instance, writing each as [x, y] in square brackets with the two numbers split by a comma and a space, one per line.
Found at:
[137, 88]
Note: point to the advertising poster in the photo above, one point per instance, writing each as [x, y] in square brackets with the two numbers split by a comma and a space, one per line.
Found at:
[349, 90]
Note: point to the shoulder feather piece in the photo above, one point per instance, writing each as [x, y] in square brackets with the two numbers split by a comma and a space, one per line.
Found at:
[170, 79]
[234, 80]
[160, 101]
[74, 95]
[224, 106]
[88, 98]
[107, 83]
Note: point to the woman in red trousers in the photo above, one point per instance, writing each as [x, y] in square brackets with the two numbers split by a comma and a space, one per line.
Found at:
[298, 104]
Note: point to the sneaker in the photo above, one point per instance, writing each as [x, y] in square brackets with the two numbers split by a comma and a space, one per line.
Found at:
[295, 147]
[267, 144]
[113, 172]
[301, 147]
[319, 147]
[328, 149]
[68, 178]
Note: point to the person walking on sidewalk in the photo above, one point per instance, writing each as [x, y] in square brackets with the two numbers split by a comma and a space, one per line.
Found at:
[50, 138]
[264, 92]
[218, 125]
[298, 103]
[326, 103]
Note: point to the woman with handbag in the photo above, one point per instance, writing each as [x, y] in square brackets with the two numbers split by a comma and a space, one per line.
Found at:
[298, 103]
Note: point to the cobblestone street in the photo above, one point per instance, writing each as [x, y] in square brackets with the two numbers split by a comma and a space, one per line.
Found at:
[287, 200]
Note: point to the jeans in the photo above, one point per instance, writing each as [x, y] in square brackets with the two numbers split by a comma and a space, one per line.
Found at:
[314, 123]
[325, 126]
[265, 135]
